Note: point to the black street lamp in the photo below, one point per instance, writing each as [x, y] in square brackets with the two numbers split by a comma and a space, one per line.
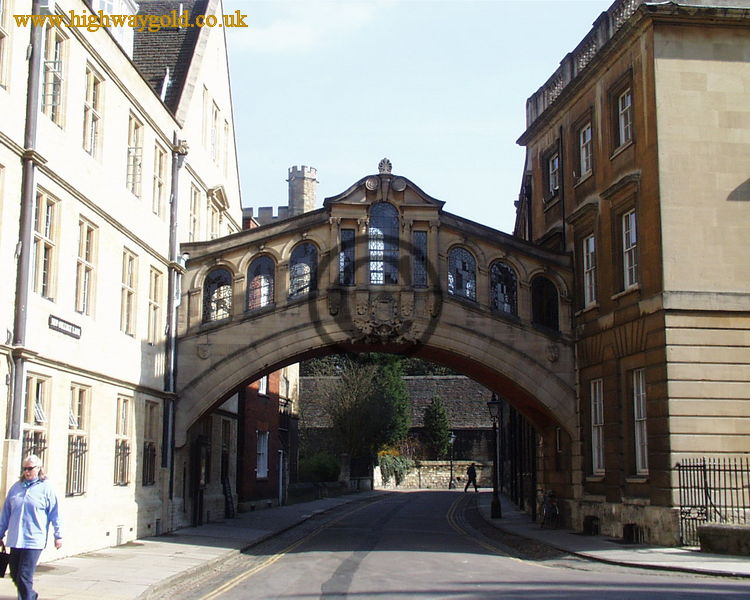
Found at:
[496, 511]
[452, 482]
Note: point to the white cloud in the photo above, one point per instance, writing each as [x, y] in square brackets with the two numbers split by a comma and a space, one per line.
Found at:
[304, 26]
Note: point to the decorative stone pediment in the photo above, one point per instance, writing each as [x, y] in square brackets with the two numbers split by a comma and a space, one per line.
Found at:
[384, 187]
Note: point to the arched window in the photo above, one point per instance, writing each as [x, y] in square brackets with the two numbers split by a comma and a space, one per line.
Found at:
[260, 282]
[544, 310]
[217, 295]
[303, 270]
[462, 274]
[503, 289]
[383, 244]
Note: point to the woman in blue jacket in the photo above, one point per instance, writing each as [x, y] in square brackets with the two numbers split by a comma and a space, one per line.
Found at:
[29, 509]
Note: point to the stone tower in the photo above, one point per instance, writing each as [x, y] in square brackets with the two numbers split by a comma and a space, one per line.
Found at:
[302, 181]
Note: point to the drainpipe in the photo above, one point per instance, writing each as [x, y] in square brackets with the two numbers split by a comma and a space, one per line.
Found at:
[25, 233]
[176, 268]
[562, 188]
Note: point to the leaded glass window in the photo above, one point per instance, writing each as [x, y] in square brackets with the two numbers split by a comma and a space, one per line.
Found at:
[346, 257]
[217, 295]
[419, 259]
[503, 289]
[303, 270]
[462, 274]
[260, 282]
[544, 309]
[383, 244]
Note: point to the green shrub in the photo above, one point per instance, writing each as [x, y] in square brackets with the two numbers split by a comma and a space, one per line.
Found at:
[318, 468]
[394, 467]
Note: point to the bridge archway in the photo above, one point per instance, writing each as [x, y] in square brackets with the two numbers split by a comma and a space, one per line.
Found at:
[401, 292]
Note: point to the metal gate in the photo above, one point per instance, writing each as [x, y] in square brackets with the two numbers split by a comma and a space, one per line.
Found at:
[712, 490]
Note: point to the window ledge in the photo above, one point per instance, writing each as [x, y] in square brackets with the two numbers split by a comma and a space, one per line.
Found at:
[630, 290]
[550, 201]
[589, 308]
[594, 478]
[213, 324]
[637, 479]
[583, 178]
[620, 149]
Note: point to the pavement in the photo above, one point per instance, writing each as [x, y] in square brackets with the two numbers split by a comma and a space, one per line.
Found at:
[144, 568]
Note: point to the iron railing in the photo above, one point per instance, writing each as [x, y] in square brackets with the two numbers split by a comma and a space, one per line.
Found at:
[34, 442]
[77, 453]
[712, 490]
[149, 463]
[122, 462]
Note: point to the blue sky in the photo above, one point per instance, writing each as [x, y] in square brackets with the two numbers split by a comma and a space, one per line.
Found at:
[438, 87]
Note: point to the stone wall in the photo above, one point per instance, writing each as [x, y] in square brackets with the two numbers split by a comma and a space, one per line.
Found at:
[435, 475]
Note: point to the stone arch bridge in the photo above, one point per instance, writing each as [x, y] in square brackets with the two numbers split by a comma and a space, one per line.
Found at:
[381, 267]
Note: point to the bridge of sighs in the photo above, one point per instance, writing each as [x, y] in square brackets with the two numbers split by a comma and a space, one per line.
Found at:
[381, 267]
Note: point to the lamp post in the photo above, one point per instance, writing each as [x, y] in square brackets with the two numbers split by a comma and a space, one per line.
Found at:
[452, 482]
[496, 511]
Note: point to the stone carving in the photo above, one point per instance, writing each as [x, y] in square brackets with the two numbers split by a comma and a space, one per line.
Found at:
[553, 353]
[334, 302]
[381, 323]
[399, 184]
[203, 350]
[385, 166]
[372, 183]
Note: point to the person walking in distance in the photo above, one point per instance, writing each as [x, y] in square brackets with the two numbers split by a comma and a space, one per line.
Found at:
[471, 477]
[30, 508]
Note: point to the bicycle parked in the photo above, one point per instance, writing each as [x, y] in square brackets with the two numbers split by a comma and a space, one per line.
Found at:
[550, 511]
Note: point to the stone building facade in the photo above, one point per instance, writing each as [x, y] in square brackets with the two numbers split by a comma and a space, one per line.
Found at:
[116, 148]
[634, 167]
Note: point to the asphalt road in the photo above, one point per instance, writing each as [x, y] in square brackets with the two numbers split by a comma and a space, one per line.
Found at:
[430, 545]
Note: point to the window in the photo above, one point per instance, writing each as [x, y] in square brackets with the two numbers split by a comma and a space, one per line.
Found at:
[589, 270]
[35, 416]
[135, 155]
[52, 94]
[154, 306]
[503, 289]
[225, 148]
[92, 107]
[624, 117]
[4, 45]
[122, 441]
[160, 179]
[383, 244]
[213, 221]
[629, 249]
[585, 150]
[263, 385]
[462, 274]
[544, 308]
[77, 440]
[346, 257]
[553, 174]
[260, 276]
[261, 469]
[195, 211]
[150, 437]
[217, 296]
[128, 292]
[597, 427]
[45, 244]
[419, 259]
[639, 415]
[215, 132]
[303, 270]
[85, 267]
